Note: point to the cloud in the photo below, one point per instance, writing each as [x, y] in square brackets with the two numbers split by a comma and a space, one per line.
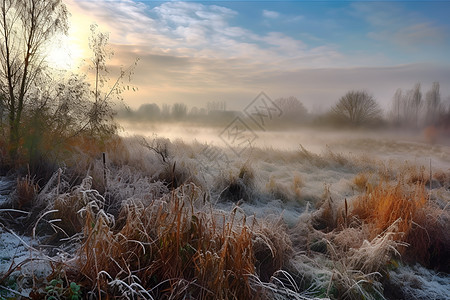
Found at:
[198, 30]
[419, 34]
[391, 23]
[270, 14]
[237, 83]
[194, 53]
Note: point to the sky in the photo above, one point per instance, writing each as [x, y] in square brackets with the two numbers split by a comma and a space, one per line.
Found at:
[196, 52]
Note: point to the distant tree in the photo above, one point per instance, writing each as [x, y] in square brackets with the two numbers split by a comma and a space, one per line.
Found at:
[25, 28]
[396, 112]
[216, 106]
[416, 103]
[433, 104]
[149, 111]
[357, 108]
[292, 108]
[165, 111]
[194, 111]
[179, 111]
[125, 112]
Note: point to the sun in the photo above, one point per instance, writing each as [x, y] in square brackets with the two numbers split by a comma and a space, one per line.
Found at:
[64, 53]
[67, 51]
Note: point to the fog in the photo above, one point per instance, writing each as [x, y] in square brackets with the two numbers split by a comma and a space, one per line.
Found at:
[382, 144]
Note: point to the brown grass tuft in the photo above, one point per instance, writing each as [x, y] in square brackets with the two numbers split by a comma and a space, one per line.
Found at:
[429, 239]
[171, 248]
[387, 203]
[27, 190]
[361, 180]
[272, 248]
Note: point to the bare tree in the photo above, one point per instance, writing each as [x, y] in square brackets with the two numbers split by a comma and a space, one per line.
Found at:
[165, 111]
[396, 106]
[179, 111]
[433, 104]
[291, 107]
[357, 108]
[149, 111]
[416, 102]
[98, 43]
[216, 106]
[102, 113]
[26, 26]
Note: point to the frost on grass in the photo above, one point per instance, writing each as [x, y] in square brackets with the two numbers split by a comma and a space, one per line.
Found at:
[271, 224]
[417, 282]
[12, 250]
[20, 263]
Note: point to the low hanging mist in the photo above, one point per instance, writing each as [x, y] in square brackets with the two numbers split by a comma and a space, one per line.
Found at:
[355, 124]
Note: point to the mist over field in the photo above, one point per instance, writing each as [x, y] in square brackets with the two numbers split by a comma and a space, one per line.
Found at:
[224, 150]
[378, 143]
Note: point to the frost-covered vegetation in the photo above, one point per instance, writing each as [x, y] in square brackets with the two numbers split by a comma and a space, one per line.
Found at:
[86, 214]
[160, 221]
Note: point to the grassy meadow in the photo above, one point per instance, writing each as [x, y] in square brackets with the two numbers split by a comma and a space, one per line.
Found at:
[192, 187]
[159, 221]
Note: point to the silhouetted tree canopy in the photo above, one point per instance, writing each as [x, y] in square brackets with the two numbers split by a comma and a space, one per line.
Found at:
[433, 104]
[291, 107]
[149, 111]
[179, 111]
[357, 108]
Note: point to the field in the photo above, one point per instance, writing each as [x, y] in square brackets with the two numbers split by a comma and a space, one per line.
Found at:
[299, 215]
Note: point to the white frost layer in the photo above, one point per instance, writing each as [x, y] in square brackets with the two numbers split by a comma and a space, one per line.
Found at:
[12, 250]
[418, 282]
[5, 189]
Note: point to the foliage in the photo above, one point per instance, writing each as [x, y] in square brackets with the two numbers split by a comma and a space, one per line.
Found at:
[56, 290]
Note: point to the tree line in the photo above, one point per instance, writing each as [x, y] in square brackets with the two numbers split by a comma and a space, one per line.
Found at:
[357, 108]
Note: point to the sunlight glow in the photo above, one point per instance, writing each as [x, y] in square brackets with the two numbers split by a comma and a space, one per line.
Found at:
[65, 56]
[67, 52]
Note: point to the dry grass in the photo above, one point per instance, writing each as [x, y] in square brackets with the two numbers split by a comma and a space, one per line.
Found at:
[297, 184]
[171, 248]
[68, 205]
[420, 223]
[26, 192]
[148, 237]
[272, 247]
[429, 239]
[442, 177]
[286, 191]
[236, 186]
[325, 218]
[360, 181]
[387, 203]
